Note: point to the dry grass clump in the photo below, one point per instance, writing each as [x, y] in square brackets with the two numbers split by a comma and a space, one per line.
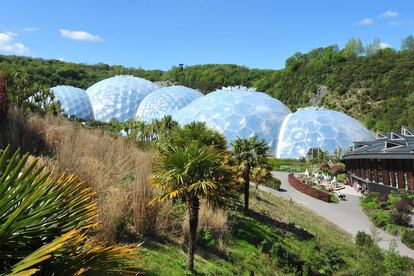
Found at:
[116, 169]
[215, 222]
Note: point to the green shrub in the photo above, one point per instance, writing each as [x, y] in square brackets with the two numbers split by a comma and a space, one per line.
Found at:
[371, 205]
[408, 238]
[392, 229]
[380, 218]
[273, 183]
[288, 168]
[341, 177]
[206, 238]
[362, 239]
[371, 197]
[331, 260]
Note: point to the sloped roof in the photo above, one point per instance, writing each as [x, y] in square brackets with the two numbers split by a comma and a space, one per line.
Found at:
[388, 145]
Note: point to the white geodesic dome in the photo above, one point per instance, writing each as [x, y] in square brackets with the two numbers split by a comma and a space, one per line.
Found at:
[237, 113]
[164, 101]
[118, 97]
[73, 101]
[317, 128]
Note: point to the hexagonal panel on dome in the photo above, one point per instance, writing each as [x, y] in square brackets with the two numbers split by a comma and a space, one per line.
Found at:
[118, 97]
[238, 112]
[318, 128]
[73, 101]
[164, 101]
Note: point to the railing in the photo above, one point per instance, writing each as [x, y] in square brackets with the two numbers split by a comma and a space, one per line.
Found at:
[308, 189]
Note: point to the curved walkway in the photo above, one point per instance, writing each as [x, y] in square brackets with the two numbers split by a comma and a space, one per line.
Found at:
[346, 214]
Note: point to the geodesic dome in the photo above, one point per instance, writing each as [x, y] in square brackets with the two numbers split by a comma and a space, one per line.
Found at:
[73, 101]
[118, 97]
[325, 129]
[237, 113]
[163, 101]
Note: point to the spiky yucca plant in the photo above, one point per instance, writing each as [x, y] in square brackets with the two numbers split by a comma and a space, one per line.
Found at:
[3, 97]
[43, 221]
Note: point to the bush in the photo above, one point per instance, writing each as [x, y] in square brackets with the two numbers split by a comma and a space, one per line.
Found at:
[403, 205]
[371, 205]
[383, 198]
[338, 169]
[362, 239]
[408, 238]
[392, 229]
[400, 218]
[341, 177]
[371, 197]
[324, 166]
[307, 189]
[273, 183]
[380, 218]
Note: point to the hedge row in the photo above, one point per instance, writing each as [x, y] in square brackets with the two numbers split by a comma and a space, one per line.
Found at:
[307, 189]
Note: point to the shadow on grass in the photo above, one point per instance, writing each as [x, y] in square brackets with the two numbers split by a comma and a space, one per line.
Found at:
[253, 233]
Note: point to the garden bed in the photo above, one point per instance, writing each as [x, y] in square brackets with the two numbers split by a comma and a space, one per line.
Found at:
[391, 213]
[308, 189]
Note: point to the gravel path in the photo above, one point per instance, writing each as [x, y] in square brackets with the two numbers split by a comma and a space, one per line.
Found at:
[346, 214]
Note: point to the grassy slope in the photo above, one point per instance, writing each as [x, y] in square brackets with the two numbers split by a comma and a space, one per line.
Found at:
[273, 220]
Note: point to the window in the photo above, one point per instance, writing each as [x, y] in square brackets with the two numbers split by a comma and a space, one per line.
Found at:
[396, 179]
[405, 181]
[380, 173]
[380, 177]
[390, 178]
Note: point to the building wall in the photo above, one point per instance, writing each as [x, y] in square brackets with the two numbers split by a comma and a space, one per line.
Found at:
[390, 173]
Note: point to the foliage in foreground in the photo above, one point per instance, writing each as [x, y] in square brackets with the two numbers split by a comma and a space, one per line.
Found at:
[43, 224]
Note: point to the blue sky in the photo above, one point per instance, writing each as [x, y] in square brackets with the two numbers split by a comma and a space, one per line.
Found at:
[157, 34]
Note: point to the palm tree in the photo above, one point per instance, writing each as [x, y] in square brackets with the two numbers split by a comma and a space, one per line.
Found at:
[248, 154]
[194, 170]
[197, 132]
[43, 222]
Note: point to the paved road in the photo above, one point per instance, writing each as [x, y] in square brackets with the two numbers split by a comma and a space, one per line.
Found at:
[348, 214]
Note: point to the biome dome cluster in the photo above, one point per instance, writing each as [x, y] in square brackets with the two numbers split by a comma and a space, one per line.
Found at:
[236, 112]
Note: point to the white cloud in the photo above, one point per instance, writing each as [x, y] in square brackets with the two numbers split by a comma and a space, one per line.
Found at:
[79, 35]
[389, 13]
[8, 45]
[384, 45]
[365, 22]
[30, 29]
[400, 22]
[60, 59]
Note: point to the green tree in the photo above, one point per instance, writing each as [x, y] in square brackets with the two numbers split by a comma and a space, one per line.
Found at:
[193, 172]
[248, 154]
[353, 48]
[407, 44]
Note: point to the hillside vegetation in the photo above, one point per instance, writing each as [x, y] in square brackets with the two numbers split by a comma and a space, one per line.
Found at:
[374, 85]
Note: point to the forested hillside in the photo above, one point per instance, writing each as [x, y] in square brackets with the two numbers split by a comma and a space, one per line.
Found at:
[372, 84]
